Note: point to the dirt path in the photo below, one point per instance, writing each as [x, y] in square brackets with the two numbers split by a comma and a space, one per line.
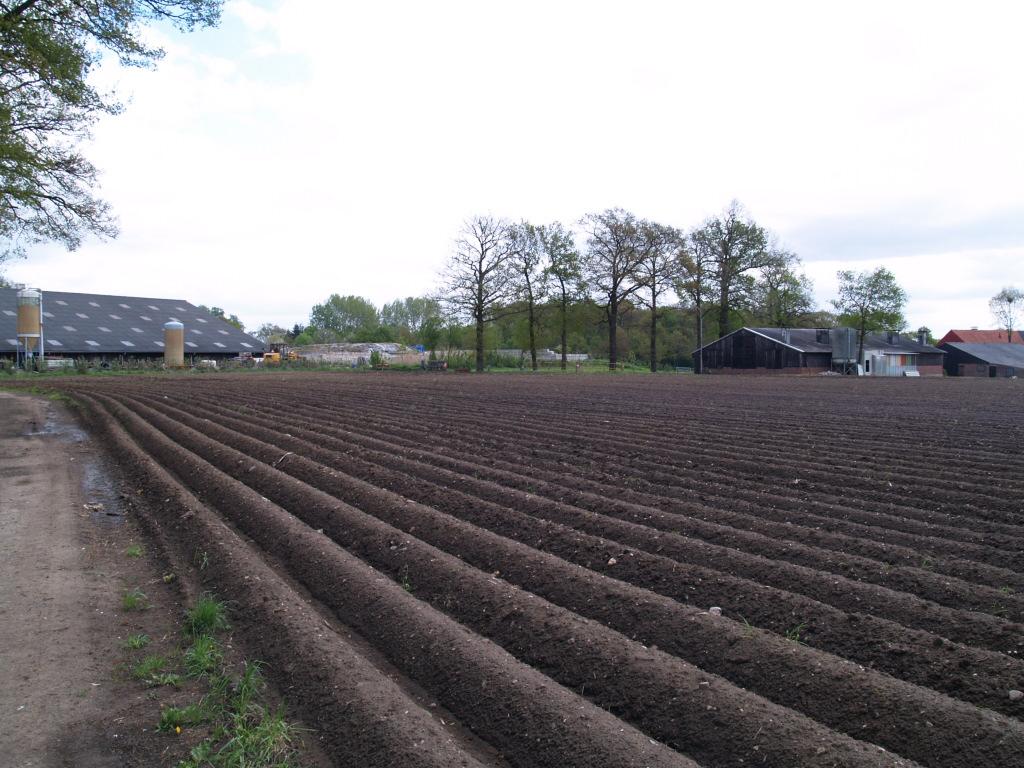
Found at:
[56, 627]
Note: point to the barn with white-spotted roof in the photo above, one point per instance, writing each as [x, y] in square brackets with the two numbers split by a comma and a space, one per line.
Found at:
[100, 327]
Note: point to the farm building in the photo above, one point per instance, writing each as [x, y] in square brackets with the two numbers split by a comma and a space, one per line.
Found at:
[976, 336]
[108, 328]
[817, 350]
[984, 360]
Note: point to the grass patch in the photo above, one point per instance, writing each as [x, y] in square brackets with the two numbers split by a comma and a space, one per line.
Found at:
[203, 656]
[207, 616]
[135, 600]
[135, 642]
[134, 551]
[246, 732]
[793, 634]
[149, 667]
[174, 719]
[240, 730]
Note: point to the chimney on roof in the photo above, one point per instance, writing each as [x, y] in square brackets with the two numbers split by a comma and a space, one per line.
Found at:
[785, 336]
[922, 336]
[893, 337]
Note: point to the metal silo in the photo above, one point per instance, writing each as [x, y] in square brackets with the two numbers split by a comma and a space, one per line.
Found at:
[174, 344]
[30, 324]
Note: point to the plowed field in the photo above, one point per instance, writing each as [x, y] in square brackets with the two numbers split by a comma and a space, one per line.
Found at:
[520, 571]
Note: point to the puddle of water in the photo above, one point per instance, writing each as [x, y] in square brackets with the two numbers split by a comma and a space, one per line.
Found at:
[61, 429]
[102, 500]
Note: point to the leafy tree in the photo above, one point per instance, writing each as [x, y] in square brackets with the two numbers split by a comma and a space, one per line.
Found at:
[431, 332]
[614, 252]
[870, 301]
[219, 313]
[563, 270]
[781, 296]
[1006, 307]
[737, 246]
[409, 316]
[655, 273]
[479, 281]
[268, 331]
[303, 339]
[347, 318]
[527, 259]
[48, 49]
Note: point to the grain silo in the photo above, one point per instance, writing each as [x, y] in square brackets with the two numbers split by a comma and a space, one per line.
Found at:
[30, 324]
[174, 344]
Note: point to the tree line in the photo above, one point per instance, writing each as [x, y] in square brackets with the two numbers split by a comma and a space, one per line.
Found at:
[727, 271]
[616, 286]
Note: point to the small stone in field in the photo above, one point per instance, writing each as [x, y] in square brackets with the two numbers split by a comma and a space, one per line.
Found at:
[715, 611]
[612, 561]
[1016, 695]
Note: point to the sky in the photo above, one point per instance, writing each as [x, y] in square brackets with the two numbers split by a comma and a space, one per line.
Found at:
[307, 148]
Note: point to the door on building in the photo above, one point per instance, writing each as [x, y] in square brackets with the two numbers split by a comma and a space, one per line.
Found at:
[991, 371]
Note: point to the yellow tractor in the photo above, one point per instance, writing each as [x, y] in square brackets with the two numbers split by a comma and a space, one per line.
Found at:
[277, 353]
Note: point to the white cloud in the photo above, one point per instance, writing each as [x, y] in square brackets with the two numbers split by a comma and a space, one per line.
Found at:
[311, 147]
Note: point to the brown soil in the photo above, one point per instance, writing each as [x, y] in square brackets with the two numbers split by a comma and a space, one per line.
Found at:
[517, 571]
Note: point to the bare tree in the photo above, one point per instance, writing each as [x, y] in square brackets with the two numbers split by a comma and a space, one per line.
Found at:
[479, 281]
[564, 272]
[655, 273]
[527, 256]
[610, 266]
[1006, 306]
[695, 264]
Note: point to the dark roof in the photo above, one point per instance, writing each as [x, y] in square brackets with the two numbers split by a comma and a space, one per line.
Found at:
[976, 336]
[89, 323]
[994, 354]
[803, 339]
[806, 340]
[905, 343]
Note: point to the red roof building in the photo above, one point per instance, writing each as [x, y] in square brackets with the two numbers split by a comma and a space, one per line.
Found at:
[974, 336]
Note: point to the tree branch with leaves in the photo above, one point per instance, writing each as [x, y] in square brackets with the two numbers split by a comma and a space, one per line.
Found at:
[48, 50]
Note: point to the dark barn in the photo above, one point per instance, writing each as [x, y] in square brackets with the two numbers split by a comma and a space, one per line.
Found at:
[816, 350]
[984, 360]
[767, 350]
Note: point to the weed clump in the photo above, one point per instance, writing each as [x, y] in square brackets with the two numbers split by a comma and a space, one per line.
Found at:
[207, 616]
[203, 657]
[135, 600]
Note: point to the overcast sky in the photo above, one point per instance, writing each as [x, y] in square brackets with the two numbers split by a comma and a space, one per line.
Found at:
[306, 148]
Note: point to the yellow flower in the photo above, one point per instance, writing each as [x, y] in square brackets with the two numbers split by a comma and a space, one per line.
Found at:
[177, 729]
